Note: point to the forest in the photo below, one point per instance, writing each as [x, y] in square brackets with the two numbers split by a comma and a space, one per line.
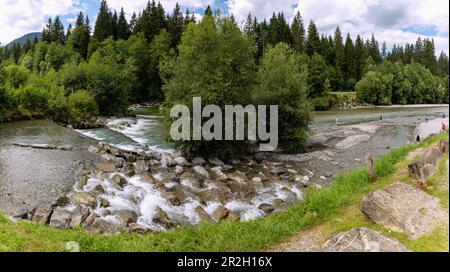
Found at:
[81, 71]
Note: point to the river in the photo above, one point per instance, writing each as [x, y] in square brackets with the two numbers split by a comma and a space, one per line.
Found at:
[29, 177]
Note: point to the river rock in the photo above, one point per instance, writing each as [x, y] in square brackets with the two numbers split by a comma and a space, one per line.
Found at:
[42, 214]
[241, 188]
[425, 167]
[61, 201]
[351, 141]
[259, 157]
[219, 174]
[443, 146]
[204, 216]
[128, 170]
[104, 227]
[104, 203]
[140, 167]
[79, 215]
[22, 213]
[138, 228]
[238, 176]
[118, 180]
[179, 170]
[363, 240]
[83, 198]
[198, 161]
[126, 216]
[180, 161]
[130, 158]
[216, 162]
[43, 146]
[267, 208]
[97, 190]
[256, 183]
[401, 207]
[90, 219]
[21, 144]
[65, 147]
[106, 167]
[93, 149]
[201, 171]
[60, 218]
[160, 217]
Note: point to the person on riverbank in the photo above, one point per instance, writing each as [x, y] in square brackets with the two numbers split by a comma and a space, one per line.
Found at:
[418, 138]
[444, 127]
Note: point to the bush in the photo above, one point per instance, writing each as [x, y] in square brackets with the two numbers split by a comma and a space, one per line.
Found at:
[375, 88]
[33, 99]
[282, 81]
[81, 106]
[215, 63]
[321, 103]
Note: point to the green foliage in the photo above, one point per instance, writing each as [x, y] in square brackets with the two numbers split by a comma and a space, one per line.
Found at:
[16, 75]
[283, 80]
[81, 105]
[215, 63]
[33, 99]
[375, 88]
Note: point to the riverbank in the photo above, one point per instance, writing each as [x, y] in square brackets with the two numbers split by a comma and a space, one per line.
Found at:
[317, 206]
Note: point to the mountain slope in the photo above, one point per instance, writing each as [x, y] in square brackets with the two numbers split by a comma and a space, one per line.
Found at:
[24, 38]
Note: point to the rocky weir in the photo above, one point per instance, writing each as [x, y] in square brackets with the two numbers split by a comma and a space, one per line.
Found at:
[153, 191]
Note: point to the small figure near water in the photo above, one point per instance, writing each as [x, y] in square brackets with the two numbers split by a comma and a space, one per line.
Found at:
[418, 138]
[381, 117]
[444, 127]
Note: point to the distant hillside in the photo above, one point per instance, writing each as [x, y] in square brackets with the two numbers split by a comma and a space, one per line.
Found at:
[24, 38]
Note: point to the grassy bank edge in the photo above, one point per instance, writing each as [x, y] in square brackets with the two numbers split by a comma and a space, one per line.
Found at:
[317, 206]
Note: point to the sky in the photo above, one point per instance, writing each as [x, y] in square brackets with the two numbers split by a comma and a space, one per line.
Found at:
[393, 21]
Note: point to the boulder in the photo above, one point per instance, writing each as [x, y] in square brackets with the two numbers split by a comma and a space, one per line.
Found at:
[204, 216]
[21, 144]
[42, 214]
[83, 198]
[126, 216]
[130, 158]
[22, 213]
[60, 218]
[106, 167]
[241, 188]
[362, 240]
[425, 166]
[90, 219]
[267, 208]
[79, 215]
[201, 171]
[198, 161]
[104, 203]
[259, 157]
[238, 176]
[256, 183]
[404, 208]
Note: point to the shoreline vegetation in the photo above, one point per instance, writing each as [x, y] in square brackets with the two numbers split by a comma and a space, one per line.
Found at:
[317, 208]
[78, 72]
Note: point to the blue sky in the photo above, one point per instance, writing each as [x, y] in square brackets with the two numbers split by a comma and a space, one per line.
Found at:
[393, 21]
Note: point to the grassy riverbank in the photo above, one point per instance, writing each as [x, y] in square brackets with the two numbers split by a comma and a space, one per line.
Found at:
[318, 207]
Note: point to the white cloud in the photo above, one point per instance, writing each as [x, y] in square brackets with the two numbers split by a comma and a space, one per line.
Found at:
[18, 17]
[391, 21]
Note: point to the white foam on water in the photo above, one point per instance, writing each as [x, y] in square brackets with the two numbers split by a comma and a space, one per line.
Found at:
[90, 134]
[245, 210]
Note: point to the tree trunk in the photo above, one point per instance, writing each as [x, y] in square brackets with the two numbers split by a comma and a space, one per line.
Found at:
[371, 168]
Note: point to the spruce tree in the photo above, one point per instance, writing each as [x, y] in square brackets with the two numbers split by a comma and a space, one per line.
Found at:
[123, 28]
[298, 33]
[104, 23]
[313, 40]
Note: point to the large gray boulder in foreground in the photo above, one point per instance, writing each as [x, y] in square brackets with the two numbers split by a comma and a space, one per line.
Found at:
[404, 208]
[363, 240]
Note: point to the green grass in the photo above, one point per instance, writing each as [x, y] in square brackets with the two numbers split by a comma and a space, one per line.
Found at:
[317, 207]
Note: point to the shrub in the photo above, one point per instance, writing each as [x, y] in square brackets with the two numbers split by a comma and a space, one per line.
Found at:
[33, 99]
[282, 80]
[81, 105]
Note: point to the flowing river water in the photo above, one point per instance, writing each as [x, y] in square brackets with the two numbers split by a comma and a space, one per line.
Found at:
[29, 177]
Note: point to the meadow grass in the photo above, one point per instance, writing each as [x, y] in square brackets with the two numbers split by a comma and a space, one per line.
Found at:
[317, 207]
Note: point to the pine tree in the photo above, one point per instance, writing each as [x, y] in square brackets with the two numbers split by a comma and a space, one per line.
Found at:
[123, 28]
[374, 50]
[443, 64]
[115, 25]
[104, 23]
[339, 49]
[384, 51]
[175, 25]
[313, 40]
[208, 11]
[348, 58]
[359, 57]
[133, 22]
[47, 31]
[298, 33]
[81, 35]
